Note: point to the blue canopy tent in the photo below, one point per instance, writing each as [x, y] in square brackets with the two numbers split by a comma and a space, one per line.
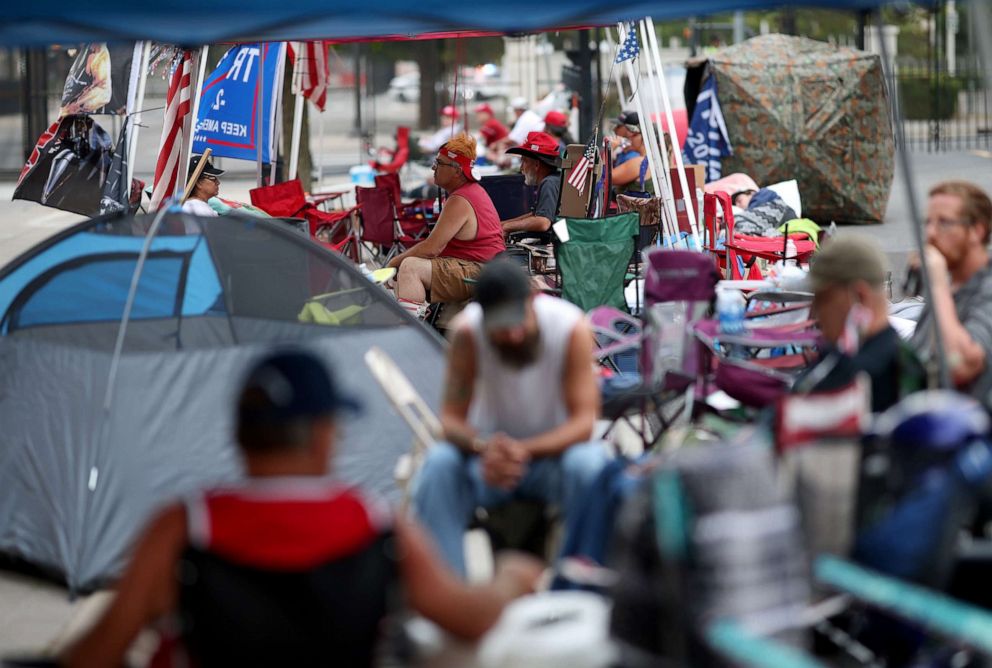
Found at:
[194, 23]
[117, 396]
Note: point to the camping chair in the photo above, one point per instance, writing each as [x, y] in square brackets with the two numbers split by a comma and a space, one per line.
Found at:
[777, 307]
[738, 253]
[618, 339]
[412, 216]
[379, 225]
[594, 260]
[287, 200]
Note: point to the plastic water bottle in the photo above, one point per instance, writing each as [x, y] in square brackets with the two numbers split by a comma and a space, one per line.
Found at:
[366, 272]
[791, 253]
[730, 311]
[437, 207]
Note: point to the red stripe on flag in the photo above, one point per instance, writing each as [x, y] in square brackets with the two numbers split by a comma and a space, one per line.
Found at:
[177, 107]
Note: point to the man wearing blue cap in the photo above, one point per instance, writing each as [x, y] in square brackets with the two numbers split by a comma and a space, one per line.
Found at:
[289, 567]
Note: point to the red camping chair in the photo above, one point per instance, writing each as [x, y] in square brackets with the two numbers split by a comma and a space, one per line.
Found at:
[739, 252]
[398, 156]
[410, 215]
[287, 200]
[379, 225]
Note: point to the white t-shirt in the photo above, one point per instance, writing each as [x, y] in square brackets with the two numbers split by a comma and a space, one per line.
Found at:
[435, 141]
[198, 207]
[527, 123]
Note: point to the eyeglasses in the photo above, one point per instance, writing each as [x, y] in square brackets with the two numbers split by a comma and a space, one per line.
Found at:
[210, 177]
[943, 224]
[438, 163]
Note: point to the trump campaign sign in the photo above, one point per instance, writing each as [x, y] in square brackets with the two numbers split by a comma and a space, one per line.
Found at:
[232, 103]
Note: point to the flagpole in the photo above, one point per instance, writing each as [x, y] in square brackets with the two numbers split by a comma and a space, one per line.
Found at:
[275, 117]
[639, 107]
[189, 130]
[688, 198]
[294, 150]
[662, 181]
[260, 114]
[135, 118]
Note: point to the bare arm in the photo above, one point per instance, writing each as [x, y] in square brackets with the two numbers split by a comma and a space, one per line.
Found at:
[581, 399]
[966, 357]
[146, 592]
[437, 594]
[455, 214]
[458, 388]
[526, 223]
[628, 172]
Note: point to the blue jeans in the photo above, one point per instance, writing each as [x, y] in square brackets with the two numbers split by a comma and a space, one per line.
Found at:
[449, 487]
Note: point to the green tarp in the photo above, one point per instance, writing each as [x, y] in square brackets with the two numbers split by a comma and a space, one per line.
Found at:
[797, 108]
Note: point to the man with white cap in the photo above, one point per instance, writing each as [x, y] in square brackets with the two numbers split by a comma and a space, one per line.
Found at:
[449, 127]
[527, 121]
[207, 186]
[518, 411]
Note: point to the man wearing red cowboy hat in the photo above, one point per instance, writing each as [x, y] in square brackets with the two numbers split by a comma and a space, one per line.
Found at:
[539, 163]
[489, 127]
[448, 128]
[466, 236]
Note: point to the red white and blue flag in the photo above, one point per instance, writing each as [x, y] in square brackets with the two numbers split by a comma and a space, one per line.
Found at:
[311, 71]
[577, 179]
[177, 108]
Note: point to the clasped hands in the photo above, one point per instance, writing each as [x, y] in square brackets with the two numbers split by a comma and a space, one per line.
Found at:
[504, 461]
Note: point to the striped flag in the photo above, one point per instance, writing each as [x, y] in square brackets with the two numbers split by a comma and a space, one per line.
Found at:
[310, 71]
[577, 179]
[177, 108]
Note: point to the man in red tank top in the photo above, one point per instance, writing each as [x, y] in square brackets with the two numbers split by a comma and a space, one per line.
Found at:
[467, 235]
[288, 519]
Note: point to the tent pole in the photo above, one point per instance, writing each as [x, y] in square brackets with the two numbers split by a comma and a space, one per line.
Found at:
[201, 73]
[260, 116]
[661, 179]
[134, 115]
[943, 376]
[275, 117]
[688, 197]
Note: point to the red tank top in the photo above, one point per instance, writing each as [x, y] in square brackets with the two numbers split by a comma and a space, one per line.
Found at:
[488, 242]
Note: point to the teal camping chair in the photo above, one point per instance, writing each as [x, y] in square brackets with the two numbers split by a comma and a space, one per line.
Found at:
[593, 261]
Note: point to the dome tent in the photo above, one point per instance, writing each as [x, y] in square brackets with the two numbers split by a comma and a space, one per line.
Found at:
[800, 109]
[105, 418]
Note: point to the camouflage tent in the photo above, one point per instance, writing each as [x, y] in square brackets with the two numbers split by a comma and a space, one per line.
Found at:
[797, 108]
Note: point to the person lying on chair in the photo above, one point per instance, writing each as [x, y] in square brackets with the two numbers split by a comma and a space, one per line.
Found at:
[540, 164]
[288, 567]
[467, 234]
[518, 411]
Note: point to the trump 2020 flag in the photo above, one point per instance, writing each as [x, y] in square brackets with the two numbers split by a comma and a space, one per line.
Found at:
[707, 140]
[232, 103]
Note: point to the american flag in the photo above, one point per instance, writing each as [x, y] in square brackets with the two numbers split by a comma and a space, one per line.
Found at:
[310, 71]
[177, 108]
[577, 179]
[630, 47]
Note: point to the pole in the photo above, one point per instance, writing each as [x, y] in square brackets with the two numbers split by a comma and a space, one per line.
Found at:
[134, 115]
[195, 176]
[189, 129]
[275, 117]
[646, 133]
[687, 196]
[661, 178]
[586, 111]
[260, 116]
[294, 149]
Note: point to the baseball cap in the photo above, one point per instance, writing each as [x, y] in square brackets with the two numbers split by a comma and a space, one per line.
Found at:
[519, 103]
[502, 291]
[555, 117]
[287, 385]
[450, 111]
[540, 146]
[629, 119]
[844, 260]
[483, 108]
[208, 168]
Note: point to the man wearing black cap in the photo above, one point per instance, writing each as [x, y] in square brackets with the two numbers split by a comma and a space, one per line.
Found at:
[303, 568]
[539, 163]
[207, 186]
[518, 410]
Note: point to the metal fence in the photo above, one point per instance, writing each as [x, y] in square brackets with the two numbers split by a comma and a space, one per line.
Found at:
[944, 111]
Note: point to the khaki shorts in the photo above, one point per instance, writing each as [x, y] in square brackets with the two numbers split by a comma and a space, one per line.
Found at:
[447, 274]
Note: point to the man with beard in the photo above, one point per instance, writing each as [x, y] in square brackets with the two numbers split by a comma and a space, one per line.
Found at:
[539, 163]
[518, 410]
[959, 221]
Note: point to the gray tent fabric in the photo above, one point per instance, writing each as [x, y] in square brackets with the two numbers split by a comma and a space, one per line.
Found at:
[77, 481]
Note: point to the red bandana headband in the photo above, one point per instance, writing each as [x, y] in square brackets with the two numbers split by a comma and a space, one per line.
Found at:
[464, 162]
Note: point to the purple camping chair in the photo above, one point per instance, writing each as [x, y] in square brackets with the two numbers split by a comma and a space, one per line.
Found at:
[678, 291]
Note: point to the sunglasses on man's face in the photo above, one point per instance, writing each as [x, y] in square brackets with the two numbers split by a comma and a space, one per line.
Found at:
[441, 163]
[210, 177]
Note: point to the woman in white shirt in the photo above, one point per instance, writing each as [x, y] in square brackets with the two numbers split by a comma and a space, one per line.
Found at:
[207, 186]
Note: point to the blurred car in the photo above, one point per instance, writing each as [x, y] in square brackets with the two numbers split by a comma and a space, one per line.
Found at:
[484, 82]
[405, 87]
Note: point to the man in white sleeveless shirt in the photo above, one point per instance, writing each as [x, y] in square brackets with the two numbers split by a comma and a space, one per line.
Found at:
[518, 412]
